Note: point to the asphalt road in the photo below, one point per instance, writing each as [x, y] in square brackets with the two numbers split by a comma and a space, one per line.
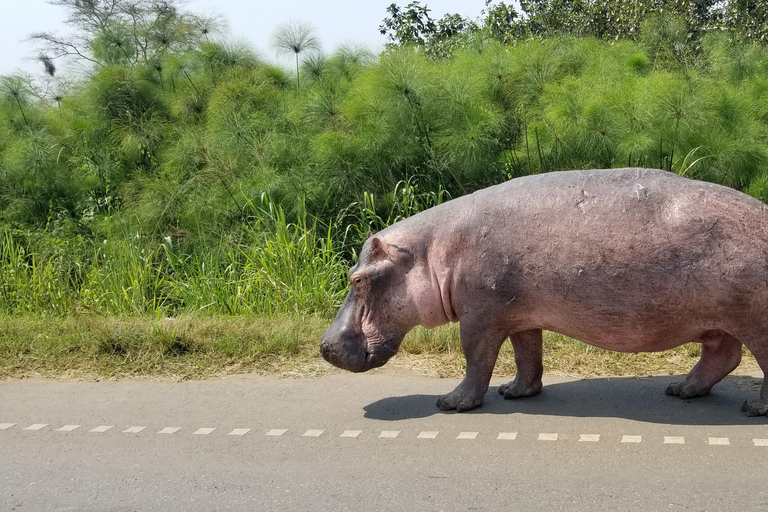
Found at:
[376, 442]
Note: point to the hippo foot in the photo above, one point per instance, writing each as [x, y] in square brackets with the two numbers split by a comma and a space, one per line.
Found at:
[755, 407]
[518, 389]
[686, 390]
[460, 401]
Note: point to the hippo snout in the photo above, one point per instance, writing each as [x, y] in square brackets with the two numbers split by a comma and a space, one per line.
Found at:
[344, 348]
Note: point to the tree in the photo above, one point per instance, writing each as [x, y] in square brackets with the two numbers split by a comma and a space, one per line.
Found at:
[124, 31]
[413, 26]
[294, 38]
[619, 19]
[500, 21]
[748, 19]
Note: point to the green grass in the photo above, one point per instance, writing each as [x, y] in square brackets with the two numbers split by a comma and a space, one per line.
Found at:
[194, 347]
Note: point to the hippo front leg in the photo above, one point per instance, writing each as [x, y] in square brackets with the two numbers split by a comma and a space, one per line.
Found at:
[480, 344]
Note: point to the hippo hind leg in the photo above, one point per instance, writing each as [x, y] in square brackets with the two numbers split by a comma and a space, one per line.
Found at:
[528, 352]
[758, 407]
[759, 348]
[720, 355]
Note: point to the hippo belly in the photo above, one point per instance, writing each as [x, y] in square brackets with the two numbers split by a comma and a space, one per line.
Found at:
[625, 259]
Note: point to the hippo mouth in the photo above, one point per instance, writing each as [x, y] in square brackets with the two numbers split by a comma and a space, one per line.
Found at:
[357, 357]
[379, 355]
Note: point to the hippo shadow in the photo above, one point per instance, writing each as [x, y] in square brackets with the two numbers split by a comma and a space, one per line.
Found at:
[632, 398]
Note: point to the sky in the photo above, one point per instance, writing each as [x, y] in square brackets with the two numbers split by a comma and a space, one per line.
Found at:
[336, 22]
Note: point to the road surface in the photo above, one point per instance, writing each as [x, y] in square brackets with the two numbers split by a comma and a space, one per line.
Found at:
[376, 442]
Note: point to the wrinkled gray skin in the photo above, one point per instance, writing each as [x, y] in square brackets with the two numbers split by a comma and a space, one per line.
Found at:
[632, 260]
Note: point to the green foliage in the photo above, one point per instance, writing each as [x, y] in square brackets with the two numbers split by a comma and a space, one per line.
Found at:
[202, 180]
[413, 26]
[747, 19]
[683, 22]
[500, 22]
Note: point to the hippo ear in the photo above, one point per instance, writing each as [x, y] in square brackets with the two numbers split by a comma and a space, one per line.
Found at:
[377, 249]
[370, 234]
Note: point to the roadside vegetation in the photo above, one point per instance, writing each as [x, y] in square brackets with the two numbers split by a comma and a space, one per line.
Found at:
[193, 347]
[181, 206]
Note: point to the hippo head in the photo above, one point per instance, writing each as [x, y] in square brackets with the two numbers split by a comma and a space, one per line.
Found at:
[377, 313]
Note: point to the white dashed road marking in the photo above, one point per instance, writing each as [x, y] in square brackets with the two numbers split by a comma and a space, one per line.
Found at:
[424, 434]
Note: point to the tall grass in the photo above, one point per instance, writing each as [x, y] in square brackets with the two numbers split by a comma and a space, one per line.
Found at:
[277, 267]
[30, 283]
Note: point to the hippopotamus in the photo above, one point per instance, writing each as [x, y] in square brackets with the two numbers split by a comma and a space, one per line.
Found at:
[630, 260]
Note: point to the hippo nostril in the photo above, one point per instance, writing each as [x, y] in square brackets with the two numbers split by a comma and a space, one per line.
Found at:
[325, 350]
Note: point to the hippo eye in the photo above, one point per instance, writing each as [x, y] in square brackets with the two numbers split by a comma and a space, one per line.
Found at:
[357, 280]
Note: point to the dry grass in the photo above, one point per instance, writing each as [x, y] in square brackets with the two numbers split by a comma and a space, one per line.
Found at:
[91, 347]
[438, 353]
[186, 348]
